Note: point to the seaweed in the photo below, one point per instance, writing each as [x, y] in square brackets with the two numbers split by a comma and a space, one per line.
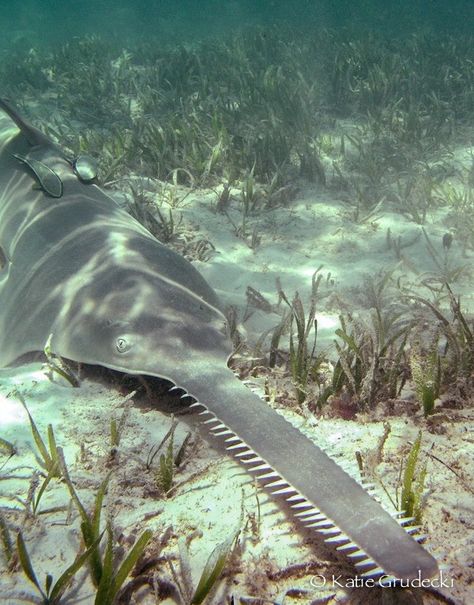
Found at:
[169, 462]
[90, 524]
[53, 592]
[413, 481]
[304, 364]
[55, 365]
[426, 376]
[456, 330]
[114, 573]
[371, 359]
[47, 455]
[256, 102]
[6, 540]
[210, 575]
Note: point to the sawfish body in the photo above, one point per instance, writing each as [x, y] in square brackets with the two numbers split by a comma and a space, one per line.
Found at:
[76, 266]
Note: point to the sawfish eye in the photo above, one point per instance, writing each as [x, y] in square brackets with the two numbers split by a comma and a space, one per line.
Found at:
[122, 344]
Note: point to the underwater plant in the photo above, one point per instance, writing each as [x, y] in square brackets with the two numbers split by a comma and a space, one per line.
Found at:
[55, 365]
[53, 592]
[108, 573]
[459, 198]
[108, 570]
[457, 330]
[6, 541]
[426, 376]
[254, 101]
[413, 482]
[6, 448]
[298, 324]
[90, 524]
[303, 362]
[169, 461]
[114, 572]
[371, 358]
[164, 475]
[210, 575]
[47, 455]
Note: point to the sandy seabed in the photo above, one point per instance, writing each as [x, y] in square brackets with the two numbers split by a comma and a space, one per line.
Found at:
[278, 562]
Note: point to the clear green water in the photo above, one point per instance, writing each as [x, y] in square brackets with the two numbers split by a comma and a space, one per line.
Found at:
[39, 21]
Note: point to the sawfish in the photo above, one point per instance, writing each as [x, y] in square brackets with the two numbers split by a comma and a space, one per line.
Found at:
[78, 271]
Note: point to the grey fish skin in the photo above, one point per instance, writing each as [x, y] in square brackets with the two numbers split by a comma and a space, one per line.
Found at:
[83, 270]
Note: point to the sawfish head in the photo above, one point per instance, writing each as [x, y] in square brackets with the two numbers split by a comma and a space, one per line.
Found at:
[141, 323]
[86, 273]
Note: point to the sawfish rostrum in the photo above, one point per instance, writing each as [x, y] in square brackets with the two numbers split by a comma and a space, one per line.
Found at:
[80, 268]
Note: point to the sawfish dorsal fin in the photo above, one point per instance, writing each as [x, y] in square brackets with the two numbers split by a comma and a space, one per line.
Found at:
[47, 178]
[33, 135]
